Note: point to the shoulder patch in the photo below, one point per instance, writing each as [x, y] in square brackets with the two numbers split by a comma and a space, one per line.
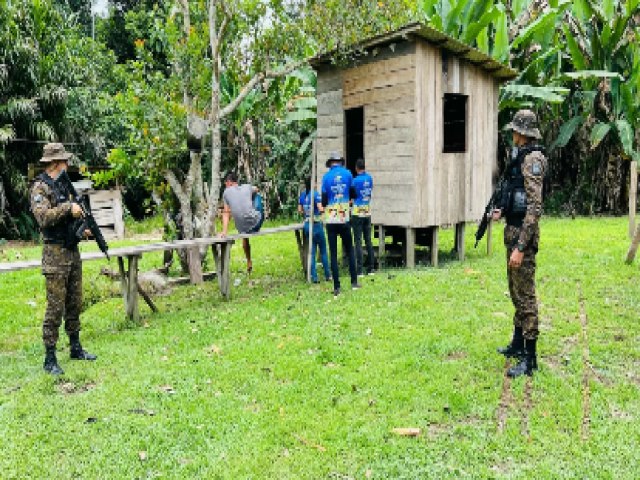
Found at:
[536, 168]
[37, 198]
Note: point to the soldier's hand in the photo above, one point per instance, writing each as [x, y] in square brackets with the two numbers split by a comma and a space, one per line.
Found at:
[515, 260]
[496, 214]
[87, 233]
[76, 210]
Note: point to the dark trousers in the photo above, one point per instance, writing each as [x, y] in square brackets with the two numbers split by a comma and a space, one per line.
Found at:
[362, 226]
[344, 231]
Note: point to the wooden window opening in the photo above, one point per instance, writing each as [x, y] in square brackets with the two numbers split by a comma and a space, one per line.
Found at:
[455, 122]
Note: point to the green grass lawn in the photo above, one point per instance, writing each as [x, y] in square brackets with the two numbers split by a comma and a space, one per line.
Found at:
[284, 381]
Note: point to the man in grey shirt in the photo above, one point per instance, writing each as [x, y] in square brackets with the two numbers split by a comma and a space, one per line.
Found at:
[245, 204]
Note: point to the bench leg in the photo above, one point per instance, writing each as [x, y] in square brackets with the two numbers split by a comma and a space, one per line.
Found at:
[129, 286]
[147, 298]
[222, 257]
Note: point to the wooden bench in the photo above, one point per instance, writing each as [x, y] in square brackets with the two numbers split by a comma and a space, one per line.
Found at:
[221, 249]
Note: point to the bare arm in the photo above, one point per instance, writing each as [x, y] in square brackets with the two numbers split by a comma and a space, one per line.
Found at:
[226, 213]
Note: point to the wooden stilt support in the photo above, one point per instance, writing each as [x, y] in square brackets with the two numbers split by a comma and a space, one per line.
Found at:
[460, 227]
[381, 246]
[434, 246]
[410, 247]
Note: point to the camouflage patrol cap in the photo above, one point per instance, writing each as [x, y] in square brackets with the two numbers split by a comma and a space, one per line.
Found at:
[55, 152]
[525, 123]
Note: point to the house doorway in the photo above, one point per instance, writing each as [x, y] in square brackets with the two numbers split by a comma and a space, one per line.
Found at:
[354, 135]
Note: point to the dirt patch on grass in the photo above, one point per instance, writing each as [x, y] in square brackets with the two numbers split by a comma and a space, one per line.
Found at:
[453, 356]
[69, 388]
[506, 400]
[586, 369]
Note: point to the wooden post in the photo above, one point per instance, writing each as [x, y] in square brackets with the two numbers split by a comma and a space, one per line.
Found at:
[434, 246]
[489, 238]
[460, 227]
[123, 282]
[312, 209]
[223, 269]
[129, 286]
[381, 246]
[147, 298]
[195, 266]
[303, 246]
[410, 247]
[633, 197]
[633, 248]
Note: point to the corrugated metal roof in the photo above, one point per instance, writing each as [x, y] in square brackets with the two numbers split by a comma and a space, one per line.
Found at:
[436, 37]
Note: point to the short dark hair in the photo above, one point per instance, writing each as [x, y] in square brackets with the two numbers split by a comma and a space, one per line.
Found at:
[360, 164]
[231, 177]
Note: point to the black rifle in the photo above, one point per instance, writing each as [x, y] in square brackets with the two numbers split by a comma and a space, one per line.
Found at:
[495, 201]
[87, 221]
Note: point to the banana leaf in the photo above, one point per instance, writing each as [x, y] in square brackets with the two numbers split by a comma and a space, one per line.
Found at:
[625, 132]
[587, 74]
[566, 132]
[547, 94]
[599, 131]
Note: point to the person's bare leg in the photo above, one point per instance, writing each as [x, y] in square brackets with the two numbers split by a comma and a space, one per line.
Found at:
[247, 253]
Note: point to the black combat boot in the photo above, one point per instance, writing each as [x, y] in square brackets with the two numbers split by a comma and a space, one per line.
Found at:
[516, 348]
[77, 353]
[51, 362]
[528, 363]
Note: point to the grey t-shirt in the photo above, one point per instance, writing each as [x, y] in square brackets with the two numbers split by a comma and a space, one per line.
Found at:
[240, 200]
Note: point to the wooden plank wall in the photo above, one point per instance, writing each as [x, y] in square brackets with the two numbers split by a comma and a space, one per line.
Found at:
[106, 206]
[453, 187]
[386, 87]
[330, 134]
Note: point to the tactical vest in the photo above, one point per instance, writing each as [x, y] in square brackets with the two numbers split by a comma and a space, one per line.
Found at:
[516, 197]
[57, 233]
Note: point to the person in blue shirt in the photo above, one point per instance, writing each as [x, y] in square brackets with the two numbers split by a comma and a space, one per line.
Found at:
[336, 192]
[361, 216]
[317, 238]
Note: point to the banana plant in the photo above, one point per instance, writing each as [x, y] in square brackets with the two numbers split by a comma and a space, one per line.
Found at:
[598, 36]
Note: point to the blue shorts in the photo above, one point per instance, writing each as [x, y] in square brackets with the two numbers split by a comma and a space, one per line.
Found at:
[259, 206]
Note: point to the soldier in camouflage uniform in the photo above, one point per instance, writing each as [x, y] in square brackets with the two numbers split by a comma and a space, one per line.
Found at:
[522, 207]
[61, 264]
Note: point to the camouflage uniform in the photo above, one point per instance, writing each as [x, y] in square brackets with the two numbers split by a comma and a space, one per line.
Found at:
[522, 208]
[61, 266]
[522, 279]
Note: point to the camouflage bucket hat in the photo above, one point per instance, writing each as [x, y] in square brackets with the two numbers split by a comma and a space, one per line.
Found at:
[54, 152]
[334, 157]
[525, 123]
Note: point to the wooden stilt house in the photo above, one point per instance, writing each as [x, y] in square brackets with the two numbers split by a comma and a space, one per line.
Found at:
[422, 109]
